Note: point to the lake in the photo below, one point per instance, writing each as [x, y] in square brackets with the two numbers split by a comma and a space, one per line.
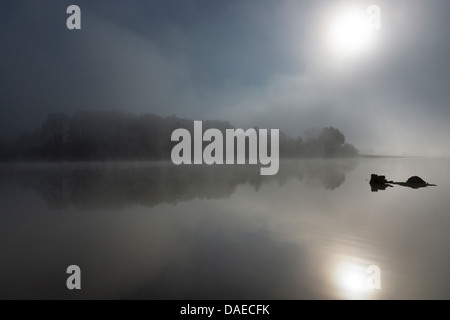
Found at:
[159, 231]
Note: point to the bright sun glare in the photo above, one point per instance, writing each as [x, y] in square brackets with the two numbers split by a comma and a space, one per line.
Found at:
[351, 280]
[350, 33]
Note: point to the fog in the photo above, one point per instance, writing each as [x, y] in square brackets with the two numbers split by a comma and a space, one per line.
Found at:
[254, 63]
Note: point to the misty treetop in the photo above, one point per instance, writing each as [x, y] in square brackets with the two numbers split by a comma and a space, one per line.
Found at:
[109, 135]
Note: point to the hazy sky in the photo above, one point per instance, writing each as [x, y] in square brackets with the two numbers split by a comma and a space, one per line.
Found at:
[261, 62]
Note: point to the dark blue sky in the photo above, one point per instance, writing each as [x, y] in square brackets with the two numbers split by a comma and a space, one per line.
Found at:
[262, 63]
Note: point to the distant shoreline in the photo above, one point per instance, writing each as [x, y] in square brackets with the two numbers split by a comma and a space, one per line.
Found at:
[69, 161]
[384, 156]
[370, 156]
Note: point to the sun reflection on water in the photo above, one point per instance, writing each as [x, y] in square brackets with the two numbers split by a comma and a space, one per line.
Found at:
[353, 280]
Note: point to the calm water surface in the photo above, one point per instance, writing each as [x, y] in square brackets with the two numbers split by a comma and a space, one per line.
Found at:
[157, 231]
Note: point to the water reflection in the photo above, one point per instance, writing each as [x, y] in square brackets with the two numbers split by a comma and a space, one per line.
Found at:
[356, 278]
[377, 187]
[310, 232]
[118, 185]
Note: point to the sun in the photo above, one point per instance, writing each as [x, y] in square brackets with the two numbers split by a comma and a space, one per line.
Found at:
[350, 33]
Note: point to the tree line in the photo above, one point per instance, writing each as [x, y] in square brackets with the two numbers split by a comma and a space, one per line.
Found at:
[108, 135]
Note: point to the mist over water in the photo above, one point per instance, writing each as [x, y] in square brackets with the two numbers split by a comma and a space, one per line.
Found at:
[265, 64]
[94, 117]
[155, 230]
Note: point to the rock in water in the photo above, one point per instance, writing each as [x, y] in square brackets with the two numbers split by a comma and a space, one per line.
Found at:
[415, 180]
[376, 179]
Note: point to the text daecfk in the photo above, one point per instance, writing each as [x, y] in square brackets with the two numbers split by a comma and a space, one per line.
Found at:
[246, 309]
[212, 153]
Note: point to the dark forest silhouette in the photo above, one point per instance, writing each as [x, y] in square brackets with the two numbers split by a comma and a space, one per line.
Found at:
[108, 135]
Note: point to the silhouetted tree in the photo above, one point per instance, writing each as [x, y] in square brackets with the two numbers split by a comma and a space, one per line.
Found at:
[331, 139]
[54, 132]
[109, 135]
[348, 150]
